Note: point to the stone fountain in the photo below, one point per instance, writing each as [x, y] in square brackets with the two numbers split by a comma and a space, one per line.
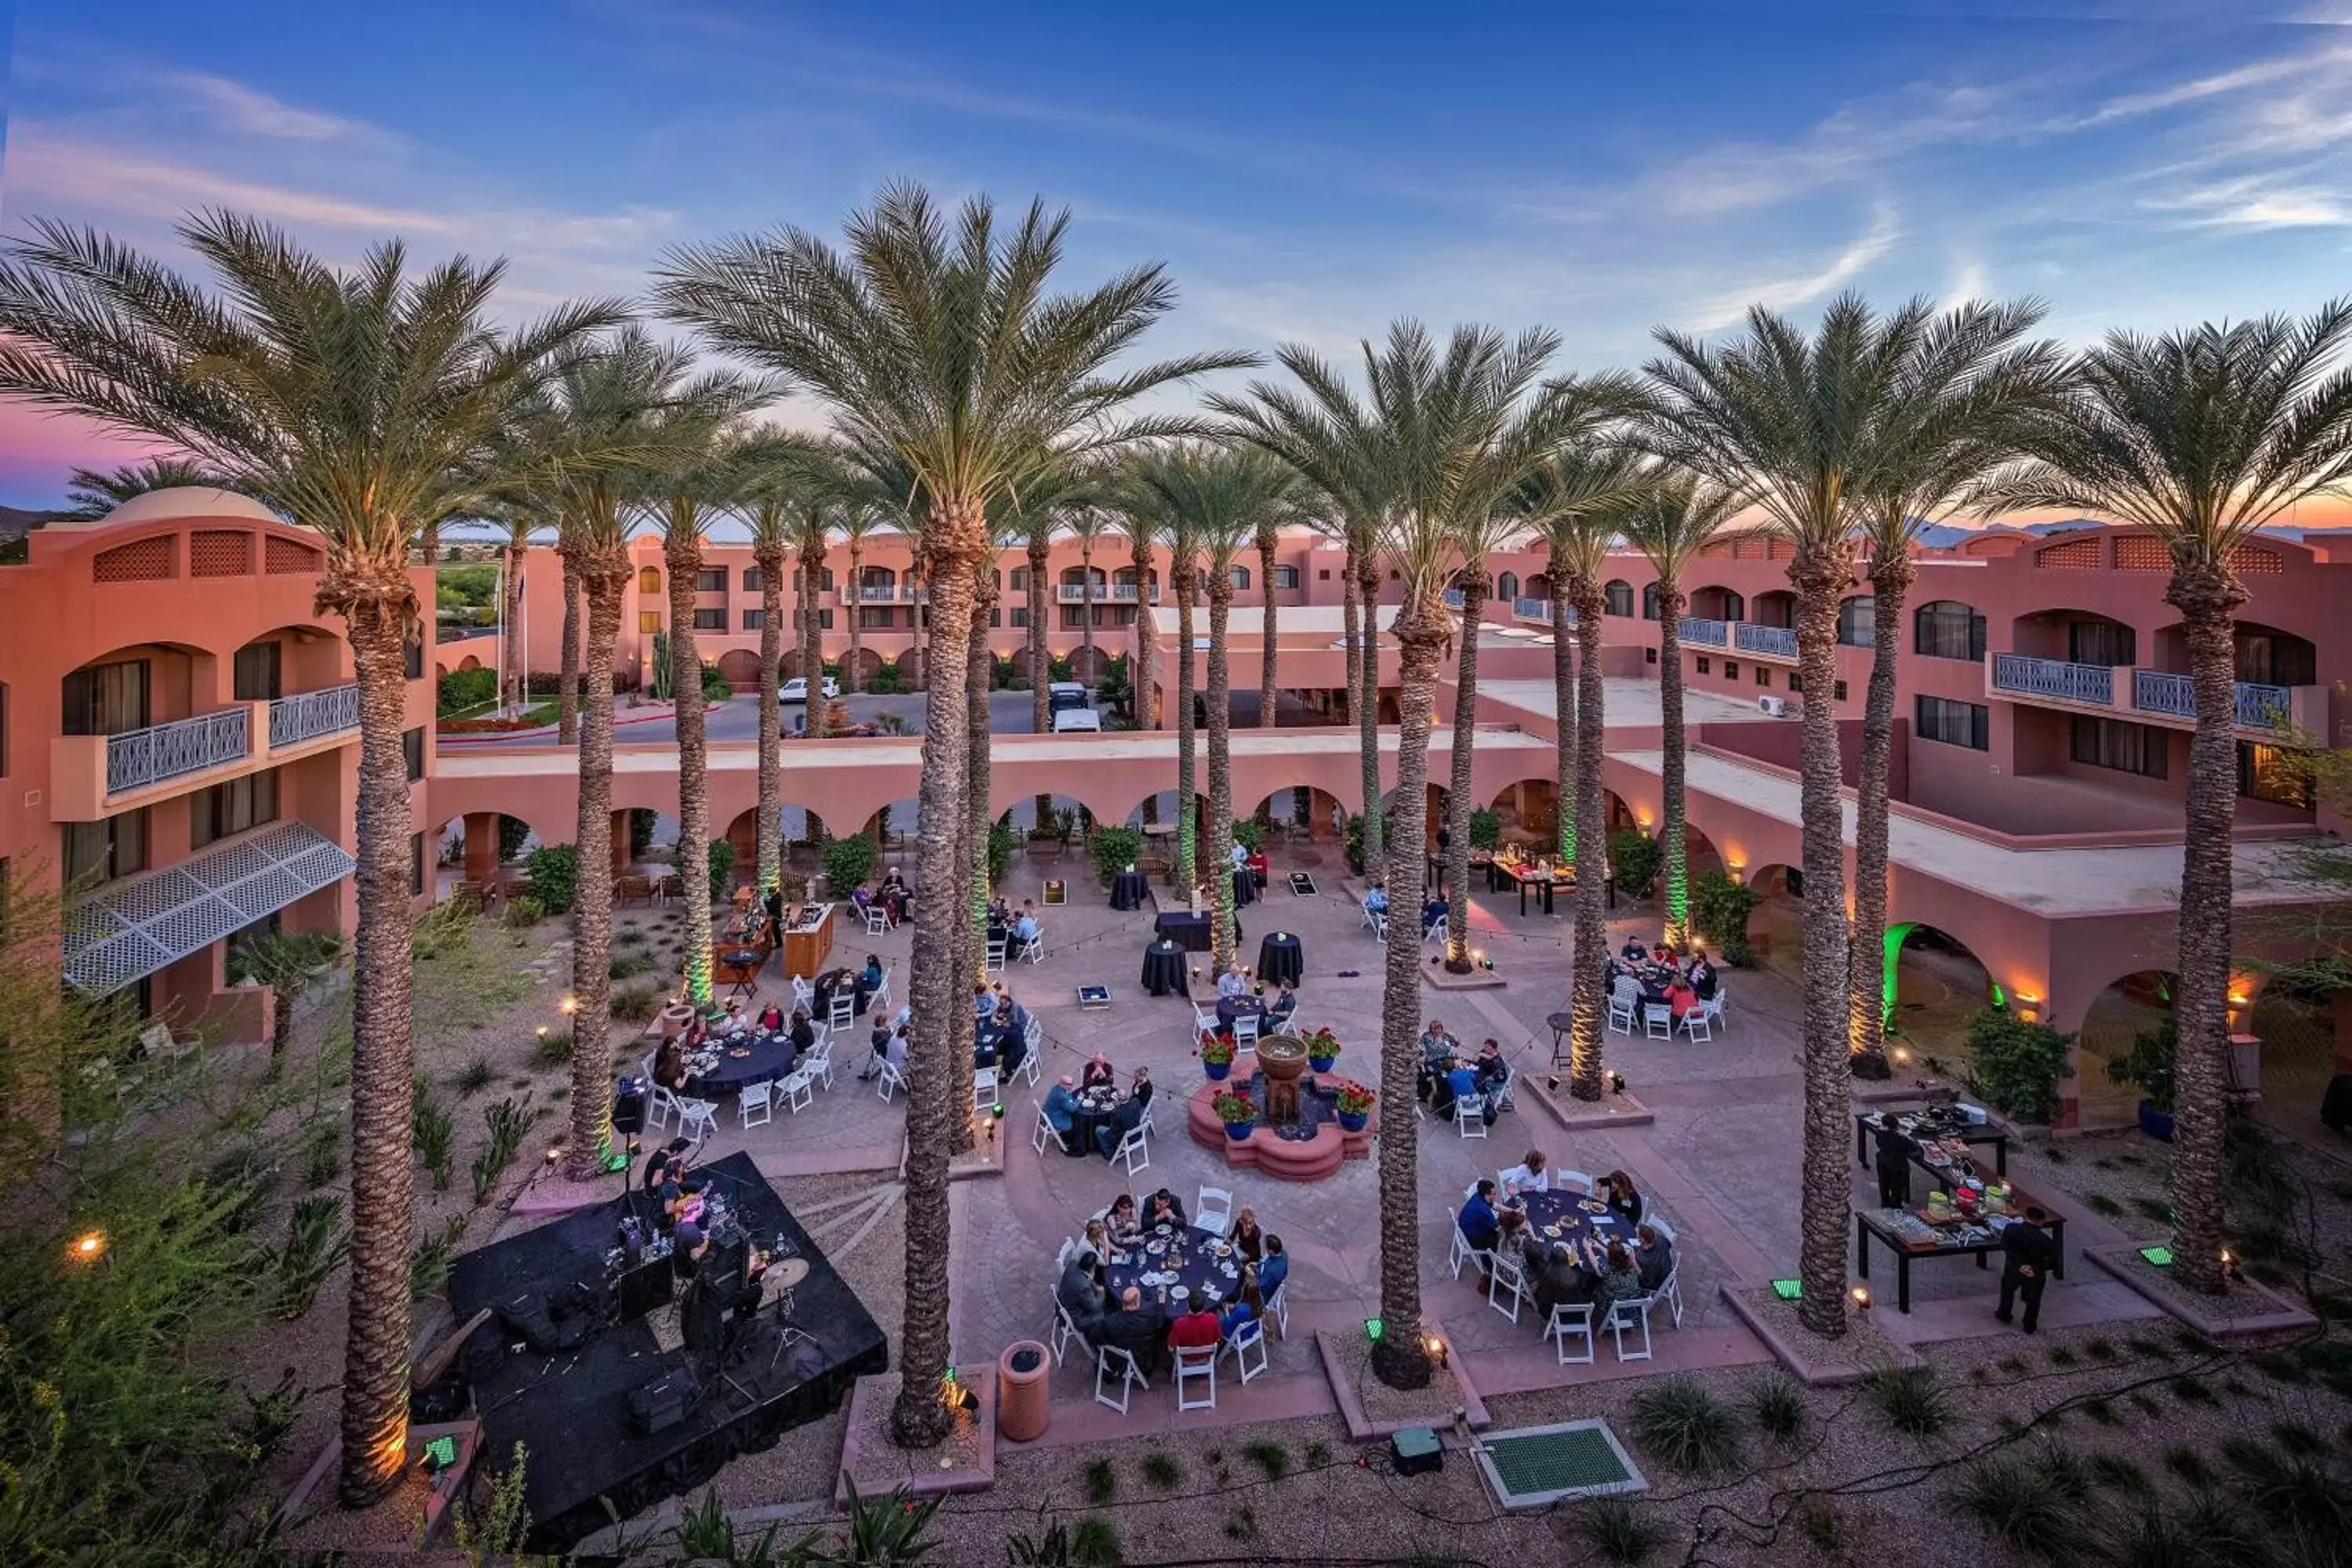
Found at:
[1281, 1058]
[1297, 1137]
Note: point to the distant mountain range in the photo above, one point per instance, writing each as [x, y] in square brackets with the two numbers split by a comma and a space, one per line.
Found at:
[15, 522]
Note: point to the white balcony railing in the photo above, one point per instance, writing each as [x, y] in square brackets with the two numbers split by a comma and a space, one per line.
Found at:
[2258, 706]
[307, 715]
[1076, 593]
[137, 757]
[1453, 599]
[1125, 593]
[1536, 610]
[2054, 678]
[1698, 629]
[1778, 642]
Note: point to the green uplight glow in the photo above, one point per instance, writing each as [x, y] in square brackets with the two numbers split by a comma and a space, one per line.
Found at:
[697, 976]
[1999, 997]
[1788, 1290]
[442, 1451]
[2159, 1257]
[1374, 1328]
[1893, 951]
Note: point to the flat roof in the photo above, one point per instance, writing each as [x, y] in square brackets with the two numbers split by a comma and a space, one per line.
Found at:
[1628, 701]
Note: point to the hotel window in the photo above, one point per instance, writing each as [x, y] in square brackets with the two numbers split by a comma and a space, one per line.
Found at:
[1858, 621]
[754, 620]
[2119, 744]
[412, 751]
[995, 616]
[416, 864]
[1506, 586]
[231, 807]
[1021, 579]
[710, 579]
[2110, 643]
[1617, 597]
[2265, 773]
[107, 699]
[412, 662]
[1763, 675]
[1649, 601]
[1021, 615]
[1241, 577]
[874, 618]
[648, 581]
[256, 673]
[1949, 629]
[1953, 723]
[110, 847]
[1323, 574]
[1837, 692]
[1649, 655]
[710, 620]
[1287, 576]
[1730, 669]
[1706, 665]
[648, 622]
[751, 579]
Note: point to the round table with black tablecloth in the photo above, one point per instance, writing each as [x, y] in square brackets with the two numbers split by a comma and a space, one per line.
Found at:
[989, 1037]
[1280, 960]
[1185, 929]
[1231, 1007]
[1186, 1253]
[1096, 1109]
[770, 1058]
[1245, 886]
[1128, 890]
[1163, 968]
[830, 981]
[739, 967]
[1572, 1214]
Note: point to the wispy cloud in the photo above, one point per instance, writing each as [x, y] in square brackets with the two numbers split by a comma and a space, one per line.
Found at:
[54, 169]
[250, 112]
[1786, 293]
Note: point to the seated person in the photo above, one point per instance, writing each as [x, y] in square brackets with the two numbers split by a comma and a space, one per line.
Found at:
[1701, 975]
[870, 979]
[1633, 951]
[1096, 1238]
[1376, 899]
[1196, 1327]
[1135, 1328]
[895, 894]
[1274, 1268]
[1061, 1105]
[1285, 1002]
[1231, 985]
[1246, 1307]
[736, 1022]
[688, 1244]
[669, 1064]
[658, 1166]
[983, 1002]
[772, 1019]
[1620, 1280]
[1558, 1278]
[1681, 1000]
[1164, 1207]
[1532, 1174]
[1653, 1256]
[895, 1055]
[1078, 1295]
[1248, 1239]
[1122, 1221]
[1617, 1189]
[1012, 1040]
[1025, 929]
[1460, 1082]
[1493, 1072]
[804, 1034]
[1438, 1050]
[878, 1042]
[1480, 1226]
[1433, 909]
[1098, 1073]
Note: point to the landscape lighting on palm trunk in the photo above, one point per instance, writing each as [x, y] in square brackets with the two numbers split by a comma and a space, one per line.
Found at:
[1860, 1296]
[87, 1248]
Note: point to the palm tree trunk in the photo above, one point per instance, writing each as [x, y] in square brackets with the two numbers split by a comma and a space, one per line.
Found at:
[1140, 681]
[1267, 658]
[977, 822]
[1819, 577]
[511, 678]
[1368, 709]
[384, 1176]
[1041, 664]
[1674, 813]
[937, 1075]
[1457, 788]
[856, 613]
[682, 553]
[1400, 1358]
[567, 702]
[811, 638]
[1591, 953]
[1221, 771]
[603, 575]
[2207, 597]
[1563, 696]
[770, 821]
[1866, 1000]
[1350, 618]
[1188, 817]
[1086, 607]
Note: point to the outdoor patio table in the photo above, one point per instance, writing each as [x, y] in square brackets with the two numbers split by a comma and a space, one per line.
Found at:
[1561, 1025]
[1569, 1217]
[1231, 1007]
[1096, 1109]
[1163, 968]
[1185, 1256]
[770, 1058]
[740, 968]
[1128, 890]
[1188, 931]
[1245, 886]
[1280, 960]
[1975, 1134]
[1982, 1241]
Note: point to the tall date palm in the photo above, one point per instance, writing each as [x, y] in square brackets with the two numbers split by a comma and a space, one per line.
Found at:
[2202, 436]
[364, 403]
[933, 337]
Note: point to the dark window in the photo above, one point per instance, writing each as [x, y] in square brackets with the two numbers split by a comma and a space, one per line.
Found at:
[412, 750]
[1649, 601]
[2110, 643]
[1706, 665]
[710, 579]
[1617, 596]
[1947, 628]
[1838, 695]
[231, 807]
[107, 699]
[754, 620]
[1649, 655]
[1857, 621]
[1954, 723]
[1730, 669]
[2267, 774]
[1021, 579]
[2119, 744]
[1797, 683]
[995, 616]
[1074, 618]
[1241, 577]
[1323, 574]
[751, 579]
[710, 620]
[2276, 661]
[825, 619]
[1763, 675]
[1506, 586]
[1021, 615]
[412, 667]
[874, 618]
[1735, 607]
[416, 864]
[110, 847]
[825, 580]
[256, 673]
[1287, 576]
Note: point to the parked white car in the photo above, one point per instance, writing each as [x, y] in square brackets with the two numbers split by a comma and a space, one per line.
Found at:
[796, 689]
[1078, 718]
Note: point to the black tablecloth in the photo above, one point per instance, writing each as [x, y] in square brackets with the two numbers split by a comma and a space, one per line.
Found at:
[1231, 1007]
[771, 1058]
[989, 1037]
[1568, 1211]
[1092, 1112]
[1186, 1253]
[1280, 960]
[1163, 967]
[1245, 886]
[832, 981]
[1186, 929]
[1128, 890]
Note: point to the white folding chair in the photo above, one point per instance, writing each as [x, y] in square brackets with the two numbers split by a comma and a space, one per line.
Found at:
[1205, 1024]
[843, 1011]
[803, 993]
[995, 962]
[1033, 949]
[663, 1106]
[1634, 1313]
[646, 1067]
[1245, 1032]
[1277, 1309]
[1065, 1330]
[818, 1063]
[1505, 1096]
[1213, 1210]
[1695, 1026]
[889, 1078]
[795, 1088]
[1034, 1038]
[1507, 1286]
[1572, 1320]
[1194, 1364]
[1380, 925]
[1670, 1292]
[1463, 1252]
[1438, 933]
[881, 997]
[1713, 1008]
[1470, 1115]
[878, 919]
[1621, 1014]
[755, 1099]
[1045, 1131]
[983, 1088]
[1248, 1339]
[1567, 1181]
[1657, 1021]
[1110, 1360]
[697, 1118]
[1371, 922]
[1132, 1152]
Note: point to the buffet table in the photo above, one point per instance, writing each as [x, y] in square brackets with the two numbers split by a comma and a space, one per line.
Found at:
[808, 941]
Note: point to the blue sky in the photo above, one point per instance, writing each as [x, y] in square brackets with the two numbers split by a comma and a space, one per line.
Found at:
[1307, 172]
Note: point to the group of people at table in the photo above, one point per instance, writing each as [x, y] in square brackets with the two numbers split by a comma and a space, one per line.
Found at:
[673, 1058]
[1098, 1081]
[1494, 1220]
[1450, 1074]
[1432, 907]
[891, 896]
[1682, 981]
[1152, 1328]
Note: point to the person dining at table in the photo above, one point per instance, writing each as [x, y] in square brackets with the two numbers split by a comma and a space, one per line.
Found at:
[1232, 985]
[1246, 1307]
[1624, 1202]
[1024, 928]
[1532, 1174]
[1079, 1294]
[1125, 1229]
[1653, 1256]
[1098, 1073]
[1125, 1117]
[1433, 909]
[771, 1019]
[1621, 1279]
[1376, 899]
[1163, 1209]
[1285, 1002]
[1061, 1106]
[870, 979]
[1480, 1226]
[1681, 1000]
[1196, 1326]
[1700, 973]
[1274, 1268]
[1135, 1326]
[803, 1033]
[1438, 1050]
[1490, 1070]
[669, 1064]
[1459, 1082]
[1248, 1239]
[1633, 951]
[1557, 1277]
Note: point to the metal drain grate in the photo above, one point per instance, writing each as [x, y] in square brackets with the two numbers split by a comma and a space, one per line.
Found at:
[1535, 1467]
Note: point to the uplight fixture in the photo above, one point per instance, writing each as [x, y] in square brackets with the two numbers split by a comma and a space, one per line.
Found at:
[87, 1248]
[1374, 1329]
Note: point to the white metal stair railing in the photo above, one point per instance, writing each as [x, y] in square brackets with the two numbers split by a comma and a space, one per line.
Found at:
[307, 715]
[128, 929]
[2069, 682]
[1779, 641]
[1700, 629]
[137, 757]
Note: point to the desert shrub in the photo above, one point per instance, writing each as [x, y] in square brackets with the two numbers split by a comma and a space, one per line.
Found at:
[1163, 1469]
[848, 861]
[1779, 1406]
[2026, 1507]
[1635, 857]
[475, 1077]
[1688, 1426]
[1096, 1544]
[435, 1134]
[428, 1267]
[439, 929]
[635, 1004]
[2016, 1066]
[1101, 1479]
[1113, 849]
[1620, 1530]
[316, 1245]
[524, 911]
[551, 1050]
[508, 1122]
[1271, 1457]
[554, 871]
[1910, 1399]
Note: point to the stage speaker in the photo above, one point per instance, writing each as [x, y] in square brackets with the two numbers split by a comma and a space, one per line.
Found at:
[527, 1319]
[629, 1107]
[645, 1287]
[662, 1404]
[440, 1401]
[700, 1320]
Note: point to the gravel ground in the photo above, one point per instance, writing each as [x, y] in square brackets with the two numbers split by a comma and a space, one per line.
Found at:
[1436, 1404]
[1863, 1344]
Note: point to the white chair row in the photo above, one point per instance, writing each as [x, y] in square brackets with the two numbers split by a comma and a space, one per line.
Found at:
[1657, 1022]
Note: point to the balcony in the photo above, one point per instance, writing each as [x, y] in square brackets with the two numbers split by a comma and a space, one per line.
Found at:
[2056, 679]
[1710, 634]
[139, 759]
[1765, 642]
[307, 716]
[884, 594]
[1536, 610]
[1076, 593]
[2277, 710]
[1125, 593]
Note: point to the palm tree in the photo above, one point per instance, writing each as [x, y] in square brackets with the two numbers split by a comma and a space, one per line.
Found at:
[289, 962]
[93, 492]
[1807, 428]
[1671, 527]
[1443, 437]
[567, 702]
[1140, 543]
[2202, 436]
[1086, 525]
[272, 377]
[516, 525]
[858, 523]
[1965, 394]
[773, 477]
[935, 342]
[1268, 537]
[1217, 497]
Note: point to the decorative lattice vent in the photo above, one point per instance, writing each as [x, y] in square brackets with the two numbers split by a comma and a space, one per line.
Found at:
[220, 553]
[140, 561]
[284, 558]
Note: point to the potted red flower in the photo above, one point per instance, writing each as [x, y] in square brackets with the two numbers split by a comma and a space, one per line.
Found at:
[1239, 1113]
[1355, 1106]
[1322, 1049]
[1217, 1057]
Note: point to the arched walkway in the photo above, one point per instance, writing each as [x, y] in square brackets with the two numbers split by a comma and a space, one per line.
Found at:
[1933, 982]
[2140, 1003]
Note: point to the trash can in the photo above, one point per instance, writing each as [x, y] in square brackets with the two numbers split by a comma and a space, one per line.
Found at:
[1020, 1390]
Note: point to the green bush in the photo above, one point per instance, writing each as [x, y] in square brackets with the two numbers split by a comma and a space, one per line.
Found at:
[1911, 1400]
[2013, 1066]
[722, 867]
[999, 851]
[523, 911]
[848, 862]
[464, 689]
[1249, 833]
[1620, 1530]
[513, 833]
[554, 871]
[1354, 844]
[1635, 857]
[316, 1245]
[716, 688]
[1485, 829]
[2027, 1506]
[1113, 850]
[1687, 1428]
[1779, 1406]
[890, 680]
[642, 821]
[634, 1005]
[1719, 904]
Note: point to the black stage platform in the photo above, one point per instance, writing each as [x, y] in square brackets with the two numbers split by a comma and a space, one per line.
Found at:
[570, 1408]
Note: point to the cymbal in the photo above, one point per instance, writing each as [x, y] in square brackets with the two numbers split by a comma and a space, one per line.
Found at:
[786, 1272]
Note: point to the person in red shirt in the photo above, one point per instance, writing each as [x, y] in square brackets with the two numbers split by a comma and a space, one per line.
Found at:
[1196, 1328]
